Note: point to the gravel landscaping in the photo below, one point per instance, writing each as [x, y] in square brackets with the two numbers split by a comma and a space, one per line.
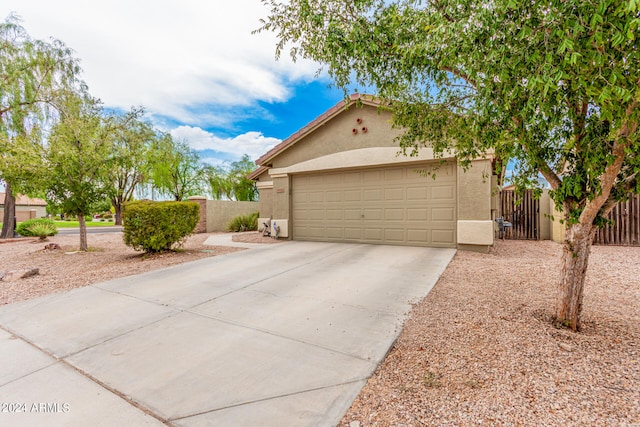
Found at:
[480, 349]
[64, 268]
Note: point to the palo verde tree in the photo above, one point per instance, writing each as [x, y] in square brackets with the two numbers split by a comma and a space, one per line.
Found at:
[553, 84]
[131, 140]
[79, 158]
[31, 73]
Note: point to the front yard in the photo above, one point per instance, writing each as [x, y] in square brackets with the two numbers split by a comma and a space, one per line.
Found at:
[480, 349]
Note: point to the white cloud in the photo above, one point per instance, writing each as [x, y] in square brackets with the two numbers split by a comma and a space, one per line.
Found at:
[168, 56]
[255, 144]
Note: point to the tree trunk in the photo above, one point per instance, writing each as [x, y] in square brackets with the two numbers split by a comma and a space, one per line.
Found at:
[118, 208]
[117, 205]
[83, 233]
[575, 259]
[9, 218]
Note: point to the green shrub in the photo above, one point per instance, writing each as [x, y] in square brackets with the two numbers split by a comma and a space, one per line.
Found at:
[244, 223]
[40, 227]
[157, 226]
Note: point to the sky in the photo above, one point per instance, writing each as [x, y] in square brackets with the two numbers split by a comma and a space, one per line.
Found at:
[193, 65]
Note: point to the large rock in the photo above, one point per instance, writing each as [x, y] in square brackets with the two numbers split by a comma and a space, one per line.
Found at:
[12, 276]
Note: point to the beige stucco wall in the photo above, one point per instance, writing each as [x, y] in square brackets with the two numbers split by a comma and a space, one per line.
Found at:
[556, 229]
[545, 216]
[24, 213]
[220, 212]
[281, 198]
[474, 191]
[337, 135]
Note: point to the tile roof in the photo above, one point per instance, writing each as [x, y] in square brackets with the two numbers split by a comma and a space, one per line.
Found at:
[24, 200]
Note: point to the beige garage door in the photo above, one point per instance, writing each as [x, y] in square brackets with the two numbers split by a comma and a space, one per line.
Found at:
[392, 205]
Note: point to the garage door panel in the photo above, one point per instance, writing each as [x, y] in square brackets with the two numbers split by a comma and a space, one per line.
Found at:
[316, 196]
[395, 174]
[418, 214]
[443, 214]
[334, 196]
[442, 236]
[353, 214]
[373, 234]
[372, 177]
[393, 205]
[394, 194]
[395, 214]
[352, 195]
[352, 178]
[316, 214]
[334, 179]
[353, 233]
[334, 215]
[373, 214]
[443, 193]
[335, 233]
[372, 195]
[417, 193]
[417, 235]
[395, 235]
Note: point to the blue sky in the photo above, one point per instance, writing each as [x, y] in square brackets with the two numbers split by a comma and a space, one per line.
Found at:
[193, 65]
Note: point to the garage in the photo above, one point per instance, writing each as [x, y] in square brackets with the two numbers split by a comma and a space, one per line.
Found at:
[344, 178]
[387, 205]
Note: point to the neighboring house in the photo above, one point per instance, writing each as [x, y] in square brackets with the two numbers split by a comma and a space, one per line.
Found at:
[26, 207]
[340, 179]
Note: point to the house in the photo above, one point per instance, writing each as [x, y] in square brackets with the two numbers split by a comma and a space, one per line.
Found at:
[26, 207]
[341, 179]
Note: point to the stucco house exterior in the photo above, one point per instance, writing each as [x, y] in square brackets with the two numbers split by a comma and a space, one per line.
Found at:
[341, 179]
[26, 207]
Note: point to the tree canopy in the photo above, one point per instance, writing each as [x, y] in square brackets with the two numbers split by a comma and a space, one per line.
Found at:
[79, 159]
[231, 182]
[552, 84]
[32, 74]
[175, 168]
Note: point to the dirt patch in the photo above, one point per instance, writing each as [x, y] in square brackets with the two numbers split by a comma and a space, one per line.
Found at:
[254, 237]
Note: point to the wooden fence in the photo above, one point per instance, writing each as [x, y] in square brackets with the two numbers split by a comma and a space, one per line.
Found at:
[625, 229]
[523, 212]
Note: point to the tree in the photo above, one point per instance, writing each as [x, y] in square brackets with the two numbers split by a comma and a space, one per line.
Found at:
[79, 158]
[243, 189]
[131, 142]
[31, 73]
[217, 178]
[553, 84]
[175, 168]
[231, 182]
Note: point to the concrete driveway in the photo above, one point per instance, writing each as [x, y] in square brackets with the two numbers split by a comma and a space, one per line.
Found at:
[279, 335]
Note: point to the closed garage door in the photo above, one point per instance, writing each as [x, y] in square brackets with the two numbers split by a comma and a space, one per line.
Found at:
[392, 205]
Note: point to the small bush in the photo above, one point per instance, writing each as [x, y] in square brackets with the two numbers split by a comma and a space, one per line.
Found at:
[41, 227]
[244, 223]
[157, 226]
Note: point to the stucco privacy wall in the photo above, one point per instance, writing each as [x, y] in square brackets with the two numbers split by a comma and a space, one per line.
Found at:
[362, 138]
[216, 214]
[221, 212]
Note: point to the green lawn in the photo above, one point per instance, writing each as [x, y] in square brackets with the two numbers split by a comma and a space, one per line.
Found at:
[75, 224]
